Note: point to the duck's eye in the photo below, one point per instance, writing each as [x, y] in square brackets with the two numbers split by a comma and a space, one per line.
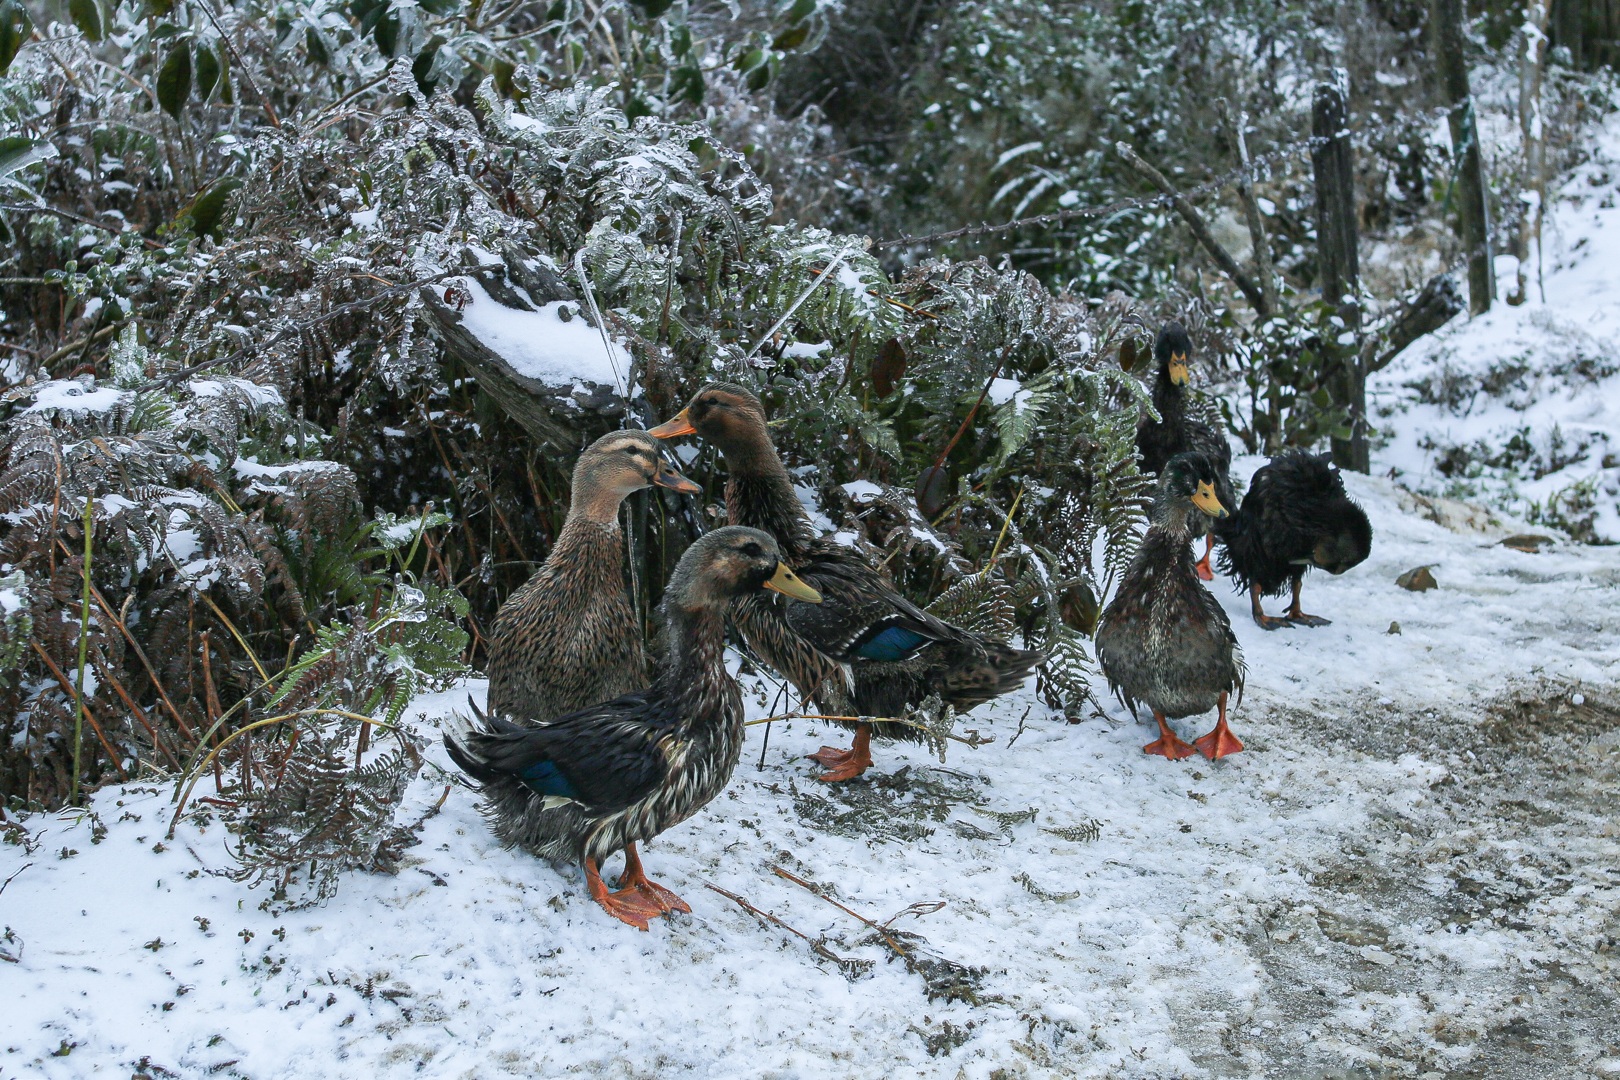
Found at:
[752, 550]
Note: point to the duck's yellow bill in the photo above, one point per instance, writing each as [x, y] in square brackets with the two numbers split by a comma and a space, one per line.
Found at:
[669, 478]
[787, 583]
[1207, 501]
[1179, 373]
[679, 424]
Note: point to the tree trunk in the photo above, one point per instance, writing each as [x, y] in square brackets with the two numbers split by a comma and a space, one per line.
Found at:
[1451, 60]
[1533, 182]
[1338, 263]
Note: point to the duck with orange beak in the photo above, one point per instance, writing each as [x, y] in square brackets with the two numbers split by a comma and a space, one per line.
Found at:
[865, 650]
[569, 638]
[1174, 432]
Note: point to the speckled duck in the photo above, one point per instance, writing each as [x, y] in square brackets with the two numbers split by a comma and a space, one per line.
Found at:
[596, 781]
[866, 650]
[568, 638]
[1164, 641]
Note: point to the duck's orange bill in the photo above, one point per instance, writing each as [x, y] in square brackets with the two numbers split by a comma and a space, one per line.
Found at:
[787, 583]
[669, 478]
[678, 425]
[1207, 501]
[1179, 375]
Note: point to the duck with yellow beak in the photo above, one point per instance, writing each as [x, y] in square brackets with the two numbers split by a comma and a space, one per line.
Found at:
[1164, 641]
[600, 779]
[1174, 432]
[867, 651]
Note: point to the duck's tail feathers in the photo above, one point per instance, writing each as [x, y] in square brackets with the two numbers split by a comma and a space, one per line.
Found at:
[967, 677]
[467, 742]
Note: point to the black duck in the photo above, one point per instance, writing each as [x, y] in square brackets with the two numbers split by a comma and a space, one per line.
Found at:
[865, 650]
[1163, 640]
[1174, 432]
[1295, 515]
[596, 781]
[568, 638]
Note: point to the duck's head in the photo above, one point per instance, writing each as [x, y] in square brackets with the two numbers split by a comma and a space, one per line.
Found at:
[1173, 351]
[1190, 482]
[1344, 538]
[728, 416]
[730, 562]
[617, 464]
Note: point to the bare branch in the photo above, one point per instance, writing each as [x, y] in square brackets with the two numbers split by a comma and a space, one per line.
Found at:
[1200, 230]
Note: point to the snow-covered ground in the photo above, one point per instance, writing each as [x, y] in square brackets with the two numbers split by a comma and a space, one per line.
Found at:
[1521, 406]
[1413, 870]
[1408, 872]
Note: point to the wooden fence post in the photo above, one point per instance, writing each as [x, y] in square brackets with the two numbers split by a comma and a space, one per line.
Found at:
[1337, 262]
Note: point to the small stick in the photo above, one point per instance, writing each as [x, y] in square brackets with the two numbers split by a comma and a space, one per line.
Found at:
[943, 454]
[815, 946]
[975, 742]
[780, 693]
[13, 877]
[799, 881]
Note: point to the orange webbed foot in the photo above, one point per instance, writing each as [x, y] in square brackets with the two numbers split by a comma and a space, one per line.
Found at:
[629, 905]
[662, 898]
[841, 764]
[1201, 567]
[1299, 618]
[846, 764]
[1271, 622]
[635, 878]
[1168, 744]
[1220, 741]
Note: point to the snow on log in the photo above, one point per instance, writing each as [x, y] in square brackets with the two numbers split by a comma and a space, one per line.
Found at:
[528, 341]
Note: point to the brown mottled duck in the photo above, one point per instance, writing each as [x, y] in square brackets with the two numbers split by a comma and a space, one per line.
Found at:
[589, 783]
[865, 650]
[1163, 640]
[568, 638]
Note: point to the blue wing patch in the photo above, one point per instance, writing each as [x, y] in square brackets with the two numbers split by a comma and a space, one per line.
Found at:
[544, 779]
[890, 644]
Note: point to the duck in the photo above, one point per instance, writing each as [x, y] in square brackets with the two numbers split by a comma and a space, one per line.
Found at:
[569, 637]
[1296, 515]
[865, 651]
[1174, 432]
[589, 783]
[1164, 641]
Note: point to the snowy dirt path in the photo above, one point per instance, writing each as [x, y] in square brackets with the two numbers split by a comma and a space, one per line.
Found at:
[1413, 870]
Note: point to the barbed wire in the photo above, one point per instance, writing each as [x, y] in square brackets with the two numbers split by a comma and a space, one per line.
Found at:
[1258, 167]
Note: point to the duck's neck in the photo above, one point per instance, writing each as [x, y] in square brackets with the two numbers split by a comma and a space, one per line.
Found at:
[590, 547]
[694, 665]
[1169, 400]
[1178, 521]
[595, 505]
[759, 494]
